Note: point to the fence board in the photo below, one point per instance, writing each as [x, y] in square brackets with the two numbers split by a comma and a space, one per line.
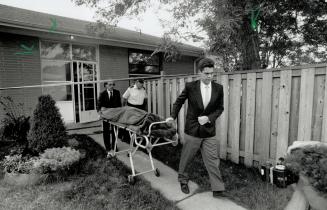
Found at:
[266, 116]
[283, 113]
[167, 98]
[154, 97]
[235, 118]
[258, 118]
[318, 106]
[249, 127]
[160, 90]
[223, 119]
[173, 90]
[181, 115]
[294, 111]
[274, 118]
[149, 93]
[324, 122]
[243, 114]
[306, 100]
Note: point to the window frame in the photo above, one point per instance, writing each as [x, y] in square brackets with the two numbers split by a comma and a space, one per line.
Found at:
[138, 73]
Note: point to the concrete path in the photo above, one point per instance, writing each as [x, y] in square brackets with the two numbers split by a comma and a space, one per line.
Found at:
[167, 183]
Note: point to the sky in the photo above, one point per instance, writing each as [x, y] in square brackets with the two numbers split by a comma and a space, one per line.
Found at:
[148, 23]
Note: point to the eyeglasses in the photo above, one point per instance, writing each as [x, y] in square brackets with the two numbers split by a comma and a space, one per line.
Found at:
[111, 84]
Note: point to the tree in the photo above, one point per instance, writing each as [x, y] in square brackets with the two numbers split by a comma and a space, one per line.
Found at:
[48, 129]
[247, 34]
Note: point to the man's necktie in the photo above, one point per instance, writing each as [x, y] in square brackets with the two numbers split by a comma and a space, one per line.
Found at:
[111, 94]
[206, 96]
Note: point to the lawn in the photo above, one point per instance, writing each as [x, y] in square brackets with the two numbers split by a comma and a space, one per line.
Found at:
[243, 184]
[100, 185]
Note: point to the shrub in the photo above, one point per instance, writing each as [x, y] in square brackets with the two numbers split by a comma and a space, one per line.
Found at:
[310, 161]
[87, 145]
[17, 164]
[52, 160]
[15, 125]
[48, 129]
[56, 159]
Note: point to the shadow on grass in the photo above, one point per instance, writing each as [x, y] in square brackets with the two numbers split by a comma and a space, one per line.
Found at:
[101, 185]
[244, 185]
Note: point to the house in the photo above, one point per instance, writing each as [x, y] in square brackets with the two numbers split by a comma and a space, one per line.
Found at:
[42, 49]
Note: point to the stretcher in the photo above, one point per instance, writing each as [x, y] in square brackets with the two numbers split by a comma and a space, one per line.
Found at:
[146, 141]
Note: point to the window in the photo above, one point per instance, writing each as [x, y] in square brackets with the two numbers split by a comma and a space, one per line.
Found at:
[57, 72]
[84, 53]
[55, 50]
[141, 62]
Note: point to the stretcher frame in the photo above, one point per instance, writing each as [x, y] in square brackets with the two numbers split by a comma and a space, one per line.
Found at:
[147, 142]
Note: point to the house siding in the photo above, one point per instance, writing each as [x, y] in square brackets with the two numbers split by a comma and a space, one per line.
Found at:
[20, 70]
[114, 65]
[184, 65]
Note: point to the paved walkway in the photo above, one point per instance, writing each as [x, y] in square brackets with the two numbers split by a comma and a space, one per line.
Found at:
[167, 183]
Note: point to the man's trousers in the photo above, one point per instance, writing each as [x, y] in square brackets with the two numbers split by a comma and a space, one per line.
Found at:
[209, 151]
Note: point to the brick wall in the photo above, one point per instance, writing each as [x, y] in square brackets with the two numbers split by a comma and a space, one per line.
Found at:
[20, 70]
[181, 66]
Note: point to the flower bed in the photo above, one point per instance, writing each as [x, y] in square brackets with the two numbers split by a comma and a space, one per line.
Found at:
[30, 170]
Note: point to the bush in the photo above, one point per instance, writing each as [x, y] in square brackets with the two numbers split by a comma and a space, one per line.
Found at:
[310, 161]
[48, 129]
[17, 164]
[52, 160]
[15, 125]
[56, 159]
[87, 145]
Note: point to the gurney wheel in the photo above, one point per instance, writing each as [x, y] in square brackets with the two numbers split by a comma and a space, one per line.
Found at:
[131, 179]
[157, 172]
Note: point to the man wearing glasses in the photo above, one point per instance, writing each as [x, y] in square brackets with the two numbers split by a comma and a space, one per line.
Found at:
[205, 105]
[109, 98]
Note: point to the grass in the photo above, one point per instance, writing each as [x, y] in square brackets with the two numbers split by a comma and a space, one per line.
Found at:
[244, 185]
[100, 185]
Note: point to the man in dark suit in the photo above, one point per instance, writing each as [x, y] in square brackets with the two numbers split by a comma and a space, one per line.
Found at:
[205, 105]
[109, 98]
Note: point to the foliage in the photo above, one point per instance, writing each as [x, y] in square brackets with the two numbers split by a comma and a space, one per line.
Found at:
[55, 159]
[17, 164]
[48, 129]
[245, 34]
[310, 161]
[52, 160]
[15, 125]
[86, 145]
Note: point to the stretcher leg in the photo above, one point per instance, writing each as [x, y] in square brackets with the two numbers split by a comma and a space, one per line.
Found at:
[142, 141]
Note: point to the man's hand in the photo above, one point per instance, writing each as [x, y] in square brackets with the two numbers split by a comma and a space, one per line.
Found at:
[169, 120]
[99, 115]
[203, 120]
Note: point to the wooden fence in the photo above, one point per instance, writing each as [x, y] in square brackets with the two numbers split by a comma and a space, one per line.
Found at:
[265, 111]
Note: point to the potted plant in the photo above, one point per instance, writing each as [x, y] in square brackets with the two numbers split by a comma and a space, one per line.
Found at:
[309, 161]
[19, 171]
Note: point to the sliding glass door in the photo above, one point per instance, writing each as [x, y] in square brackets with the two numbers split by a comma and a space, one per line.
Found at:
[85, 94]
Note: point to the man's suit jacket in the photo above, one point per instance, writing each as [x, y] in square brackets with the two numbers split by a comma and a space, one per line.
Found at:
[113, 102]
[192, 92]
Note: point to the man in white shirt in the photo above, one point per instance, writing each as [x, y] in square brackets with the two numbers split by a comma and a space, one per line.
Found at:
[136, 96]
[205, 105]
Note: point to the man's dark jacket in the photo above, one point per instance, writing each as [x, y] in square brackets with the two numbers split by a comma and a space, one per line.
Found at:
[113, 102]
[192, 92]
